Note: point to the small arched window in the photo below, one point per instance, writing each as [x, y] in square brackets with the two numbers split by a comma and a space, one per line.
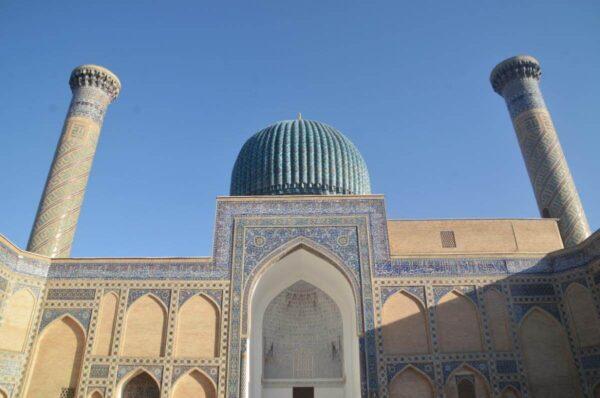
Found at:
[466, 387]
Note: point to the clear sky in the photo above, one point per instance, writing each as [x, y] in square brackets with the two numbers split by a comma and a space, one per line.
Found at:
[407, 82]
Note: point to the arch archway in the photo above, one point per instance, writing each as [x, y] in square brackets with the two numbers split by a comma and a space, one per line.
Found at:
[15, 326]
[467, 382]
[197, 330]
[410, 383]
[145, 327]
[139, 384]
[459, 328]
[302, 263]
[106, 322]
[544, 340]
[404, 325]
[57, 360]
[194, 384]
[583, 314]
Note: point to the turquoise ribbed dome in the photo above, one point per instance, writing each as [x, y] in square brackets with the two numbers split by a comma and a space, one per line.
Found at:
[299, 157]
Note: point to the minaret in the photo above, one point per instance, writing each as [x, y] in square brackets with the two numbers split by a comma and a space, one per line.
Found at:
[517, 80]
[94, 88]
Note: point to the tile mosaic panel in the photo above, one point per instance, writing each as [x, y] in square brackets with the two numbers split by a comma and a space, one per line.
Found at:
[530, 289]
[506, 366]
[82, 315]
[329, 237]
[519, 310]
[71, 294]
[99, 371]
[186, 294]
[163, 295]
[591, 362]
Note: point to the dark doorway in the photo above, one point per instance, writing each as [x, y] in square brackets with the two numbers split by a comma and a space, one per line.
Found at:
[466, 389]
[141, 386]
[303, 392]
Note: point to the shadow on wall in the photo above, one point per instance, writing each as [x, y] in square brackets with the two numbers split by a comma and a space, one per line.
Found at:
[475, 333]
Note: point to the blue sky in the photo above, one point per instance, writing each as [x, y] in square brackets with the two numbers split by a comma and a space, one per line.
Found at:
[407, 82]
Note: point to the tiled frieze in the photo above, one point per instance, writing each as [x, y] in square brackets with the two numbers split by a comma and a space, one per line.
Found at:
[151, 270]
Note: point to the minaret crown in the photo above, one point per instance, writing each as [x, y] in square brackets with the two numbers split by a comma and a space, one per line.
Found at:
[96, 76]
[519, 67]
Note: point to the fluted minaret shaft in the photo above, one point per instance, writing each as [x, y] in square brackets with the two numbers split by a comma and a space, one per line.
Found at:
[94, 88]
[517, 80]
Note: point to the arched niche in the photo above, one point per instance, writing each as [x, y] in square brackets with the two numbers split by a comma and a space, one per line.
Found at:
[57, 359]
[96, 394]
[145, 328]
[410, 383]
[544, 341]
[302, 263]
[194, 384]
[583, 315]
[458, 325]
[138, 384]
[302, 334]
[498, 319]
[465, 381]
[404, 326]
[197, 330]
[106, 324]
[16, 322]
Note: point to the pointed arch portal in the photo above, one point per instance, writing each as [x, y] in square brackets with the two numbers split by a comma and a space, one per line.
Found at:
[328, 291]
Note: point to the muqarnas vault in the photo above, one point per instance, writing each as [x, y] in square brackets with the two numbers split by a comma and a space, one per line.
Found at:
[310, 291]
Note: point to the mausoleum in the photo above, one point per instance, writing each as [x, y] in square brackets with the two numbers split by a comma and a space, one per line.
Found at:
[310, 290]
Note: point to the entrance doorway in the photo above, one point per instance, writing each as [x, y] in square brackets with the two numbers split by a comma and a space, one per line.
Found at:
[303, 392]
